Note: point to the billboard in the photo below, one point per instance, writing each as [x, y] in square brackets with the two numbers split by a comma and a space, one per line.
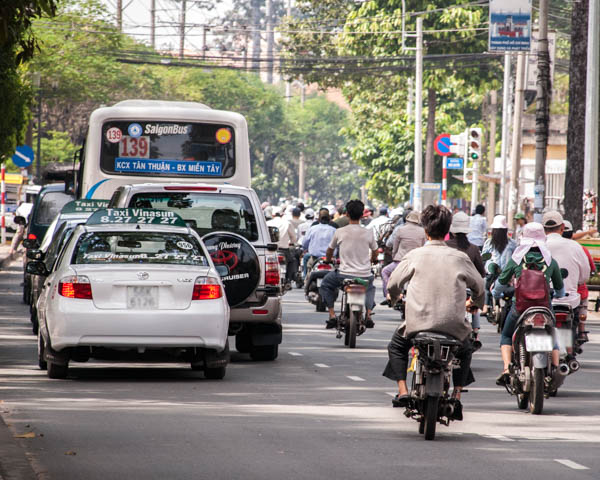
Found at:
[510, 25]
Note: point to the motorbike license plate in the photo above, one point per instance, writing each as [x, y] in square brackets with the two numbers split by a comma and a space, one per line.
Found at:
[538, 342]
[319, 281]
[356, 299]
[380, 257]
[142, 298]
[565, 339]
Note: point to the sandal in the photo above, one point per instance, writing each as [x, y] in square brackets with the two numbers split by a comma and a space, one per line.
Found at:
[401, 401]
[503, 379]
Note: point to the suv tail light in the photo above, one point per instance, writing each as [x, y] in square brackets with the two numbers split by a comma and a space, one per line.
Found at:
[207, 288]
[75, 286]
[31, 236]
[272, 270]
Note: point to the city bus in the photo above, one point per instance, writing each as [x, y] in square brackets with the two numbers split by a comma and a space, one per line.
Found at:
[150, 141]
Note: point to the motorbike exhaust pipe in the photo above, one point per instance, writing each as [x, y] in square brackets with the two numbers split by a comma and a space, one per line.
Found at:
[559, 375]
[578, 350]
[448, 410]
[574, 366]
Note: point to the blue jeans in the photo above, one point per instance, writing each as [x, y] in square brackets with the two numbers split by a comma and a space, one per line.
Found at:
[334, 280]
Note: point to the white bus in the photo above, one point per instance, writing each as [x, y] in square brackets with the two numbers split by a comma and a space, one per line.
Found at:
[141, 141]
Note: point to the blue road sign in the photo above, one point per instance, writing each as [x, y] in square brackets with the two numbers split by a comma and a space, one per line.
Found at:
[23, 157]
[454, 163]
[441, 144]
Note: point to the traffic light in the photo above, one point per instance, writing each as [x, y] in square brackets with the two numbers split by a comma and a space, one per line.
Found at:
[474, 144]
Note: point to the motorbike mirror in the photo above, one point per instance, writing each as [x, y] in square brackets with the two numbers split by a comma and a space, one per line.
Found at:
[274, 233]
[30, 243]
[34, 254]
[564, 272]
[19, 220]
[486, 256]
[36, 268]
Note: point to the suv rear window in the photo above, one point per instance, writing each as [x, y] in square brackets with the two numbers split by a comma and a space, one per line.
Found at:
[138, 247]
[204, 212]
[50, 206]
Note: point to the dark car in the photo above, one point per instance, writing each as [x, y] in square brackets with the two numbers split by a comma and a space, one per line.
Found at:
[47, 206]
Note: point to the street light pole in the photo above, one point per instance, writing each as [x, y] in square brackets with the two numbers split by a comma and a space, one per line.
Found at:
[418, 201]
[590, 167]
[37, 83]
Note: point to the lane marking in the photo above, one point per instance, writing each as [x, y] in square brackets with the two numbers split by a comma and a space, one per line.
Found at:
[571, 464]
[356, 379]
[321, 365]
[295, 354]
[391, 394]
[501, 438]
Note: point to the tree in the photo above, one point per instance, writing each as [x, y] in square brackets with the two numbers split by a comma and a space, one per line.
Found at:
[576, 127]
[17, 45]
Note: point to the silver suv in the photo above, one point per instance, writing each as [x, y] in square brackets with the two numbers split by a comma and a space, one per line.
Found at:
[231, 223]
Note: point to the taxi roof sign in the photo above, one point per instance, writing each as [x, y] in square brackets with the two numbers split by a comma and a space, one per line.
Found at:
[84, 206]
[112, 216]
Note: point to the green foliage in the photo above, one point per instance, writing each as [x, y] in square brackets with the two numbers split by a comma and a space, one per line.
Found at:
[56, 147]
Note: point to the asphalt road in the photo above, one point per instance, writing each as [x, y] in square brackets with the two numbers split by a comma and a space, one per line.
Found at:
[319, 411]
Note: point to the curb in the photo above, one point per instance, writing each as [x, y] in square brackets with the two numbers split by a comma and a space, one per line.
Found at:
[14, 464]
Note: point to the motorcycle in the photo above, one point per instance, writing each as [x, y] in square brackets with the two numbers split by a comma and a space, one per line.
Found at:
[282, 259]
[351, 321]
[566, 330]
[531, 375]
[469, 317]
[315, 276]
[430, 401]
[500, 307]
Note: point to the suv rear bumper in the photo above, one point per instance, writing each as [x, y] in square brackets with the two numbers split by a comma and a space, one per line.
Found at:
[267, 312]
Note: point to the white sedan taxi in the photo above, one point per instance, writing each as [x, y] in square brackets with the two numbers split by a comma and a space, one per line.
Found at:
[133, 283]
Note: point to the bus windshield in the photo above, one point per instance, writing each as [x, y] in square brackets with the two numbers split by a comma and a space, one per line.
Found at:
[171, 149]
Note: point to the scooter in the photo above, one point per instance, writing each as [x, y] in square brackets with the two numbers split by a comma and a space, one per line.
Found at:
[351, 321]
[313, 281]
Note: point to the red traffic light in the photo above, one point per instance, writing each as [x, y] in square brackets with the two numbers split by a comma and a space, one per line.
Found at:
[474, 134]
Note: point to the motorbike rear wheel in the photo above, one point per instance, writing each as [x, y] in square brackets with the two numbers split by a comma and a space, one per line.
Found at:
[351, 329]
[431, 414]
[536, 395]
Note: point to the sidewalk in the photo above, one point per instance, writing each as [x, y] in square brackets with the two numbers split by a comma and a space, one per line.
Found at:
[14, 464]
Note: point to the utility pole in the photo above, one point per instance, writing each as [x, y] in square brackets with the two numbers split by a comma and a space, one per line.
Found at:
[246, 48]
[516, 138]
[590, 175]
[506, 93]
[120, 15]
[182, 28]
[255, 8]
[418, 167]
[491, 195]
[153, 24]
[204, 30]
[301, 165]
[270, 41]
[288, 84]
[542, 114]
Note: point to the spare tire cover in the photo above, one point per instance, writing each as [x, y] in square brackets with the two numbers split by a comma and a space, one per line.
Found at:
[239, 256]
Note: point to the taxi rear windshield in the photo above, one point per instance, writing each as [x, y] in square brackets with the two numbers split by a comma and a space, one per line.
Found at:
[204, 212]
[168, 149]
[138, 247]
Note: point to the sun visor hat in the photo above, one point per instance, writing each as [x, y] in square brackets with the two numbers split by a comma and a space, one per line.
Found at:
[460, 223]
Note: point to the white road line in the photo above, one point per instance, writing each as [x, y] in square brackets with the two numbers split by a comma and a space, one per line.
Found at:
[571, 464]
[356, 379]
[391, 394]
[502, 438]
[321, 365]
[295, 354]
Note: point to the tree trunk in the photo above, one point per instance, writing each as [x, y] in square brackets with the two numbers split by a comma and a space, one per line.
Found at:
[576, 129]
[431, 104]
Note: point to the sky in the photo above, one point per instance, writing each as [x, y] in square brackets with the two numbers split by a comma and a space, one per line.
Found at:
[136, 21]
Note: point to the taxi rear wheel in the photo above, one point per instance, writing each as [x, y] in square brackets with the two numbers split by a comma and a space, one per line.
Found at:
[57, 371]
[215, 373]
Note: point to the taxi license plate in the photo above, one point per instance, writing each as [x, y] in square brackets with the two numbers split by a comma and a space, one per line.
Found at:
[536, 342]
[142, 298]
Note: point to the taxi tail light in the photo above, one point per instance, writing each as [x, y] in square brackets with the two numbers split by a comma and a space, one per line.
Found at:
[206, 288]
[75, 286]
[272, 270]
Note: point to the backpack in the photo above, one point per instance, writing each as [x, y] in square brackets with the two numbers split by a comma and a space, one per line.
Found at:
[532, 289]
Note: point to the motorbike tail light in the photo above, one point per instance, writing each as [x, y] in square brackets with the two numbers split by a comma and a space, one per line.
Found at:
[561, 318]
[355, 289]
[536, 320]
[31, 236]
[281, 259]
[206, 288]
[324, 266]
[75, 286]
[272, 270]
